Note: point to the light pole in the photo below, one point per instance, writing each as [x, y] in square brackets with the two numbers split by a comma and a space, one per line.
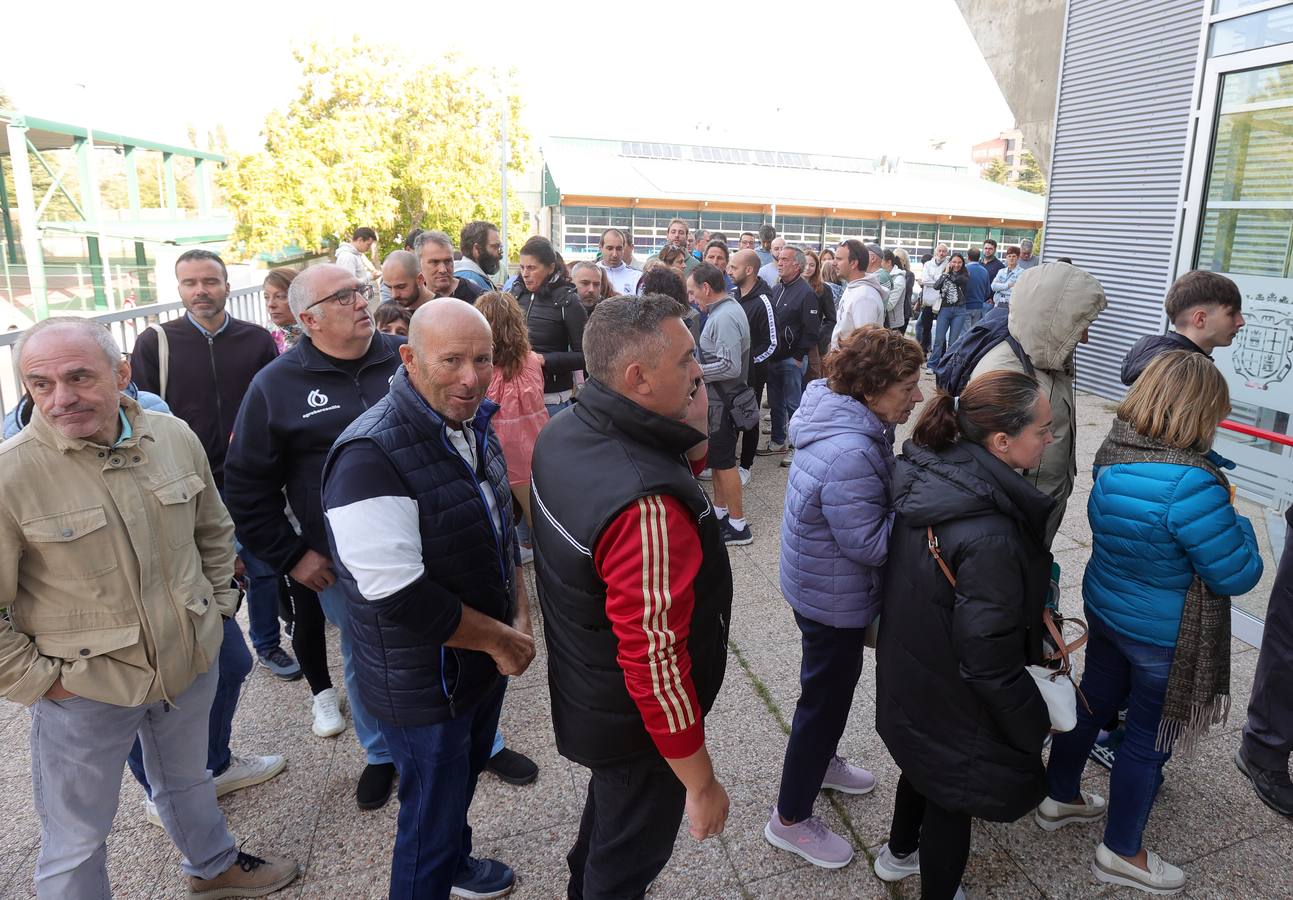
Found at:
[503, 156]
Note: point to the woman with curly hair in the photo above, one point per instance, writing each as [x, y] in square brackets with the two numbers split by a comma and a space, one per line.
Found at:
[834, 542]
[517, 388]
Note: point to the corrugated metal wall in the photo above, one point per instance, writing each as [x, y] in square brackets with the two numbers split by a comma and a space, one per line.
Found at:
[1121, 136]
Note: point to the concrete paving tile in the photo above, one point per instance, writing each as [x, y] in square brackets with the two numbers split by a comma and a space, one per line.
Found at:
[19, 825]
[15, 762]
[347, 839]
[370, 884]
[139, 859]
[1256, 864]
[16, 870]
[1072, 565]
[538, 857]
[697, 869]
[501, 809]
[855, 881]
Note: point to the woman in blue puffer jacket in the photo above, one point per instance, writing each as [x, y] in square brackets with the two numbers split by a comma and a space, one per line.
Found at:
[1168, 551]
[834, 541]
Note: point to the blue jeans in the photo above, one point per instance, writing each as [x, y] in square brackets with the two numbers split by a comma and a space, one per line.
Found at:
[235, 664]
[951, 322]
[974, 316]
[1118, 669]
[785, 389]
[262, 602]
[438, 766]
[333, 601]
[554, 408]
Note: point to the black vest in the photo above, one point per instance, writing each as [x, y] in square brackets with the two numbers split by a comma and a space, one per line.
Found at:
[590, 462]
[404, 679]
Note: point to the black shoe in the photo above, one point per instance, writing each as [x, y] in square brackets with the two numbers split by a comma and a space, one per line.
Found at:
[512, 767]
[280, 663]
[374, 787]
[732, 537]
[1273, 787]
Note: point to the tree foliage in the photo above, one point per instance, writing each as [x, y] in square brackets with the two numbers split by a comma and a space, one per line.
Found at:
[1030, 174]
[996, 171]
[373, 139]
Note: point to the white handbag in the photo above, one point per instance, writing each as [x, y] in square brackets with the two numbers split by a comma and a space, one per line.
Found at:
[1056, 686]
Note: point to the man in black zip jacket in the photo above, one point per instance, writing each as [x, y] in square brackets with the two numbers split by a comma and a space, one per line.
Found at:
[755, 297]
[294, 410]
[799, 319]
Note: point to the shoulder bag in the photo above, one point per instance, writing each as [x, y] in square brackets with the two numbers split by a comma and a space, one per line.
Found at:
[1055, 679]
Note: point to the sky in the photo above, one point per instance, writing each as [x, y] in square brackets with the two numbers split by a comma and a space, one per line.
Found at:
[864, 78]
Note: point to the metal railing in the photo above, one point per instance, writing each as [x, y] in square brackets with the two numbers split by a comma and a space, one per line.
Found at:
[126, 325]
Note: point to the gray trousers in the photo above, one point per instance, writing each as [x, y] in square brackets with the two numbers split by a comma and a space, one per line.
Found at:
[1268, 733]
[78, 753]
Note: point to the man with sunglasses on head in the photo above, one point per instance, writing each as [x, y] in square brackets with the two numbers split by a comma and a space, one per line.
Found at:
[294, 410]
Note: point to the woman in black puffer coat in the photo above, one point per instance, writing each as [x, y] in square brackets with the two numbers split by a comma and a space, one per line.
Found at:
[954, 705]
[554, 318]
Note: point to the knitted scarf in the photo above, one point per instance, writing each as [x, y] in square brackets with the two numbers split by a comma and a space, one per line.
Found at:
[1198, 686]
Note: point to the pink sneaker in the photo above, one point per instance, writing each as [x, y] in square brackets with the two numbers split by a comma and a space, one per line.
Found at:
[810, 839]
[840, 776]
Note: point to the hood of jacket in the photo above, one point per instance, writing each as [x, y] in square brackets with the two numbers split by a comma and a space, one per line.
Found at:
[1143, 352]
[345, 248]
[824, 414]
[963, 481]
[1050, 307]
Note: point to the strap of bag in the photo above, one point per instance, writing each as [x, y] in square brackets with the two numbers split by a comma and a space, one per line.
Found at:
[1063, 649]
[163, 358]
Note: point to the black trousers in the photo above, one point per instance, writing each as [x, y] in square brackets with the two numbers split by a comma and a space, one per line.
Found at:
[1268, 733]
[750, 436]
[627, 832]
[925, 328]
[828, 674]
[308, 641]
[942, 836]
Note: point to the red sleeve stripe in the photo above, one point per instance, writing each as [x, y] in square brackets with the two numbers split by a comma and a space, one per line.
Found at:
[666, 681]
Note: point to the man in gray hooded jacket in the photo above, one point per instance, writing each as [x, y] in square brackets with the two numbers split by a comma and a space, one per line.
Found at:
[1051, 309]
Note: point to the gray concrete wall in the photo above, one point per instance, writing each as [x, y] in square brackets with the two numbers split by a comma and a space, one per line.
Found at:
[1020, 39]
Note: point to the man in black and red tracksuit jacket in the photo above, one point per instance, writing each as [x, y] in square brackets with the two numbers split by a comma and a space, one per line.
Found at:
[636, 590]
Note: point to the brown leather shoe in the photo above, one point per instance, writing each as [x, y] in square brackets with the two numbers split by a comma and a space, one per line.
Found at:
[249, 876]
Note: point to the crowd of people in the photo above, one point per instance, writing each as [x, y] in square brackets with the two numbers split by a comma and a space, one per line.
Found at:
[405, 438]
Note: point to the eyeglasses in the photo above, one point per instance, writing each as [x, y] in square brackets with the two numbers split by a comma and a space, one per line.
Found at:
[346, 296]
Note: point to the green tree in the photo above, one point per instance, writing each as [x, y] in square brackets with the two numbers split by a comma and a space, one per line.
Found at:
[372, 139]
[996, 171]
[1030, 175]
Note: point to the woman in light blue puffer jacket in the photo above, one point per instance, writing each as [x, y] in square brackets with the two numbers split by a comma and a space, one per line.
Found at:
[834, 541]
[1168, 550]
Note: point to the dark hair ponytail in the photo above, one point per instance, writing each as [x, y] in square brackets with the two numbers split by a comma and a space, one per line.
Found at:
[999, 401]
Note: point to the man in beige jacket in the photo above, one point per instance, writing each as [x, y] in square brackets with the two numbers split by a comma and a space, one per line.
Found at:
[1050, 311]
[116, 558]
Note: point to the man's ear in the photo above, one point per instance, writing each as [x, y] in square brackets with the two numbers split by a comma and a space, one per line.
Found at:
[635, 380]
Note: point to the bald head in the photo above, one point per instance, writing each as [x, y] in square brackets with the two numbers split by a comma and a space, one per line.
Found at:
[450, 357]
[744, 269]
[400, 262]
[400, 275]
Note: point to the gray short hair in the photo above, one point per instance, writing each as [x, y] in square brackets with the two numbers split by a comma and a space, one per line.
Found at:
[800, 259]
[299, 297]
[431, 237]
[88, 327]
[624, 329]
[583, 264]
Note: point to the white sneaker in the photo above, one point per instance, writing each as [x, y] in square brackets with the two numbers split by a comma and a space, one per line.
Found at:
[895, 868]
[706, 474]
[244, 771]
[745, 475]
[150, 812]
[1162, 877]
[1051, 815]
[527, 555]
[328, 720]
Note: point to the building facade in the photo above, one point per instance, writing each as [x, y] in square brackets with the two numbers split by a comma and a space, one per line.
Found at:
[1007, 147]
[812, 200]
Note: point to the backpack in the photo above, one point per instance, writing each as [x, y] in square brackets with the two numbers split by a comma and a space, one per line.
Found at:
[952, 372]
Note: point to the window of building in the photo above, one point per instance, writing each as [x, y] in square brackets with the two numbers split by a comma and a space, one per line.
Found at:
[1265, 28]
[917, 238]
[838, 230]
[582, 228]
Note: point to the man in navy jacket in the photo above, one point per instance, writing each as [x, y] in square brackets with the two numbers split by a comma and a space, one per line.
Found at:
[418, 511]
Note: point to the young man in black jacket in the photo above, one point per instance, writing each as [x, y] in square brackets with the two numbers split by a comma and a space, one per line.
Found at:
[795, 305]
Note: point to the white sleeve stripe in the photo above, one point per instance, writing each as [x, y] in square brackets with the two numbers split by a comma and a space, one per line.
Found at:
[379, 542]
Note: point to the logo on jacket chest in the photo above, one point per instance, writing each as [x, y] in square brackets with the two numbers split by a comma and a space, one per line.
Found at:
[318, 403]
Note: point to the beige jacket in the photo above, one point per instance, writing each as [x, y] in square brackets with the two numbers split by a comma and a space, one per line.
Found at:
[115, 562]
[1051, 307]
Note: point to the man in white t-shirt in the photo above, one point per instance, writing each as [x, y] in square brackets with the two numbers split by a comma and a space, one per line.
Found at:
[623, 279]
[862, 302]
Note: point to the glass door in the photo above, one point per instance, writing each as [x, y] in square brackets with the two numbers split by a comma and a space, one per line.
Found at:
[1239, 222]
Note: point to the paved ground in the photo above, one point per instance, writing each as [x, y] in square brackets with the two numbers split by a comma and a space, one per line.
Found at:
[1206, 819]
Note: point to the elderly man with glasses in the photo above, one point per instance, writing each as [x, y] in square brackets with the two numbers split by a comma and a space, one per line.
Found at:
[293, 411]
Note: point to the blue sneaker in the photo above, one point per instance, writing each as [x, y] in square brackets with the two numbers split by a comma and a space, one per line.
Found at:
[483, 878]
